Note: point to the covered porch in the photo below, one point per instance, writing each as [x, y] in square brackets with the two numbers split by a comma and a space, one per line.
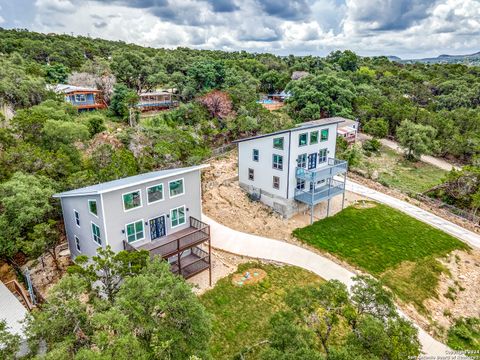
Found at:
[183, 249]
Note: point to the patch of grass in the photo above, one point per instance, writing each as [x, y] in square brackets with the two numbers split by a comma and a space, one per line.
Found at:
[415, 282]
[241, 315]
[377, 238]
[465, 334]
[407, 176]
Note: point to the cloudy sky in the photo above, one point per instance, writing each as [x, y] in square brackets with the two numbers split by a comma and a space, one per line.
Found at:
[406, 28]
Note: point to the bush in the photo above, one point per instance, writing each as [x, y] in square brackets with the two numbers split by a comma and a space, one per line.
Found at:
[372, 145]
[465, 334]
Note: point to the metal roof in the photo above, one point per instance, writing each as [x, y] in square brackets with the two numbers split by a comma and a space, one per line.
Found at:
[155, 93]
[128, 181]
[66, 88]
[302, 126]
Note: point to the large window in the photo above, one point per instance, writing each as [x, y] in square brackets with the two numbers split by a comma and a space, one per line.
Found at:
[324, 135]
[80, 97]
[303, 139]
[251, 174]
[155, 193]
[302, 160]
[276, 182]
[278, 143]
[92, 207]
[77, 217]
[176, 188]
[132, 200]
[322, 155]
[96, 234]
[178, 216]
[313, 137]
[255, 155]
[135, 231]
[277, 162]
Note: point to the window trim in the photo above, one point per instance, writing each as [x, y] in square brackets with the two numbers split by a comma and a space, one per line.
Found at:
[320, 157]
[77, 243]
[96, 205]
[75, 213]
[156, 201]
[328, 134]
[283, 143]
[184, 213]
[85, 98]
[310, 137]
[273, 162]
[304, 162]
[143, 230]
[183, 190]
[253, 174]
[306, 140]
[136, 207]
[165, 215]
[278, 182]
[253, 155]
[93, 236]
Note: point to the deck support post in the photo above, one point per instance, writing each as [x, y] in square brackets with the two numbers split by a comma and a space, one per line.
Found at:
[344, 185]
[328, 207]
[311, 214]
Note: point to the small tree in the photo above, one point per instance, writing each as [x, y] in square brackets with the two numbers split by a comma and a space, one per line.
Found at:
[417, 139]
[105, 272]
[218, 104]
[9, 343]
[377, 127]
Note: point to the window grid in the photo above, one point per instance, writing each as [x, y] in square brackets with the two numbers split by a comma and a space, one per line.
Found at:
[277, 162]
[276, 182]
[77, 243]
[322, 155]
[178, 216]
[77, 217]
[96, 234]
[251, 174]
[135, 231]
[302, 160]
[255, 155]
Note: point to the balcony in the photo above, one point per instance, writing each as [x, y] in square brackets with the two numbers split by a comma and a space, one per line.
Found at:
[320, 193]
[334, 167]
[177, 244]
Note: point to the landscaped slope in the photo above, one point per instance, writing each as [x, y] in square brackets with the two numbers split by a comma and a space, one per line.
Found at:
[377, 238]
[241, 314]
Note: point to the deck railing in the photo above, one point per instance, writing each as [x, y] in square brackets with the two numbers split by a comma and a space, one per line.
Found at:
[198, 261]
[334, 167]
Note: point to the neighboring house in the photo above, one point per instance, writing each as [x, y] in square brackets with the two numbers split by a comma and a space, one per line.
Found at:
[83, 98]
[158, 100]
[274, 101]
[157, 211]
[348, 129]
[291, 170]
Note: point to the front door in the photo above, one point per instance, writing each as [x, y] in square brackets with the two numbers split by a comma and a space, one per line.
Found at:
[157, 227]
[312, 161]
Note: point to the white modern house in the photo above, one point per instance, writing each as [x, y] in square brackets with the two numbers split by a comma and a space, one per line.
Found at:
[158, 211]
[291, 170]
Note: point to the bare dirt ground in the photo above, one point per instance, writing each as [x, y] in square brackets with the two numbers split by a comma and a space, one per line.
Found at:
[458, 294]
[227, 203]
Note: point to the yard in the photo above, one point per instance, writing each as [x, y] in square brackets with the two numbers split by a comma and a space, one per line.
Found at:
[241, 314]
[390, 169]
[388, 244]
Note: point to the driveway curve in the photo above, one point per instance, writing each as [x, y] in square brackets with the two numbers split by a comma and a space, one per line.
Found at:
[233, 241]
[465, 235]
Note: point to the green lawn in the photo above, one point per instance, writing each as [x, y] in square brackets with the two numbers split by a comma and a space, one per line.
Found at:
[241, 314]
[377, 238]
[396, 172]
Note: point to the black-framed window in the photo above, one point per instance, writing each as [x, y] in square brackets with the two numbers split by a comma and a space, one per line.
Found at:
[300, 184]
[96, 234]
[322, 155]
[92, 207]
[255, 155]
[276, 182]
[303, 139]
[277, 162]
[77, 243]
[314, 137]
[278, 143]
[77, 217]
[302, 160]
[251, 174]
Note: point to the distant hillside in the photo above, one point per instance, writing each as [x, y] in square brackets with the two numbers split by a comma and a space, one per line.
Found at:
[470, 59]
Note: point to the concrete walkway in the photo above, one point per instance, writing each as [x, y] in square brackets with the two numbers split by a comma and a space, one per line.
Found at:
[465, 235]
[236, 242]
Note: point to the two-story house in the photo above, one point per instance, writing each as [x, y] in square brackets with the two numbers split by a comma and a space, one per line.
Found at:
[158, 211]
[293, 169]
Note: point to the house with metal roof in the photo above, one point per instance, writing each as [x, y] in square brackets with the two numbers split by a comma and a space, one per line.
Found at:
[156, 100]
[158, 211]
[83, 98]
[294, 169]
[348, 129]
